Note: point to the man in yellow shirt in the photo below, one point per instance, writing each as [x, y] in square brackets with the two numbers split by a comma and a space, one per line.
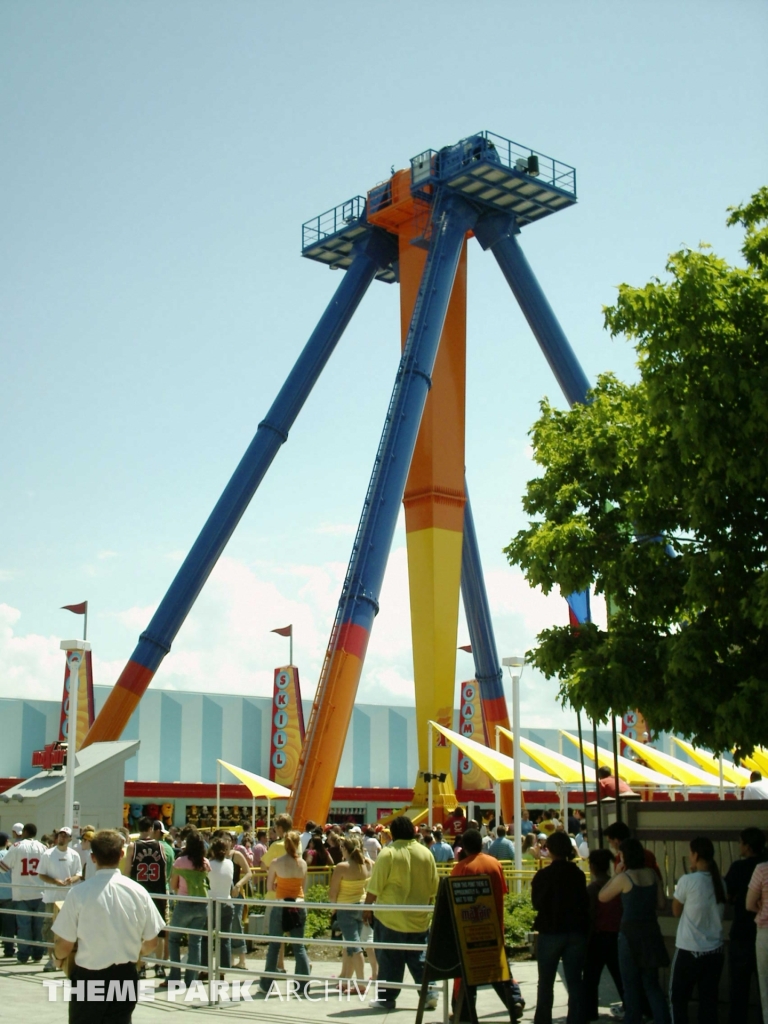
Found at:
[404, 873]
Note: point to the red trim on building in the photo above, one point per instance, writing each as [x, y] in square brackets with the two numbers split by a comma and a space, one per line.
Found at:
[205, 792]
[9, 783]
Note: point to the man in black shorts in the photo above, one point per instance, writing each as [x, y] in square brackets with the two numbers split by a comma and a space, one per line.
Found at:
[148, 867]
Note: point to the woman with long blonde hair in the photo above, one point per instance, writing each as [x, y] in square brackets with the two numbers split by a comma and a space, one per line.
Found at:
[286, 878]
[348, 885]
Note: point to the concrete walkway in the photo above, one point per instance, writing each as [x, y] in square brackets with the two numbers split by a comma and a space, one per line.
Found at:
[23, 994]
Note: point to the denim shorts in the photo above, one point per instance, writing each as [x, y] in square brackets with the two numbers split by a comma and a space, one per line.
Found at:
[350, 922]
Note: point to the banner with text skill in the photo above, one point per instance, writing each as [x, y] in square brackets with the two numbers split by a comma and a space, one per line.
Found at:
[287, 733]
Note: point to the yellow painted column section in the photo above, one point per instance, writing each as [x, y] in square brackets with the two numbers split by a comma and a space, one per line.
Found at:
[434, 518]
[434, 576]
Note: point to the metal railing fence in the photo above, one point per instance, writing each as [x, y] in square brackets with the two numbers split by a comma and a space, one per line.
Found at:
[214, 934]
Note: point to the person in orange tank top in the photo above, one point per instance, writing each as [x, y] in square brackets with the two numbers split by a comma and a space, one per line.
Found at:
[286, 877]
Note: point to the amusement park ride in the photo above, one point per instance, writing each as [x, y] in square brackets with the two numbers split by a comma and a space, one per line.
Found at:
[412, 229]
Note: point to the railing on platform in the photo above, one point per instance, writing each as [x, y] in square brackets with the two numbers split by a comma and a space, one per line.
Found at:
[332, 221]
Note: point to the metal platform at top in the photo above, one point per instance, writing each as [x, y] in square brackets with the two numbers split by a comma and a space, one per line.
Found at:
[496, 172]
[330, 237]
[485, 168]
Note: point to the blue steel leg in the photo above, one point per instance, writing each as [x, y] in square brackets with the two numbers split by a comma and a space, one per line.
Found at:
[376, 250]
[340, 675]
[500, 237]
[499, 234]
[487, 665]
[475, 599]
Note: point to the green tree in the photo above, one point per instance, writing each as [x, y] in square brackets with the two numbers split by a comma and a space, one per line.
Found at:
[655, 494]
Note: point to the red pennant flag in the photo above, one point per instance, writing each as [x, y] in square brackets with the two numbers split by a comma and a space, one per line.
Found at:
[78, 609]
[285, 631]
[467, 648]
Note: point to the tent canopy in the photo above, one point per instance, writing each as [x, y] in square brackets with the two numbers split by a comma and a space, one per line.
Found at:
[757, 761]
[498, 767]
[688, 774]
[711, 764]
[257, 785]
[565, 769]
[630, 772]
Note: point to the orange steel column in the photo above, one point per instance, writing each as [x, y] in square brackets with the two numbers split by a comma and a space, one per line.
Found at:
[434, 520]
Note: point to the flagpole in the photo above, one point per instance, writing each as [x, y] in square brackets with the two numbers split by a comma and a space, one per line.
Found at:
[85, 623]
[290, 641]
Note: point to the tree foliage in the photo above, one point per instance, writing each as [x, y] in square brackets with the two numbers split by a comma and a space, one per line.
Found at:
[655, 495]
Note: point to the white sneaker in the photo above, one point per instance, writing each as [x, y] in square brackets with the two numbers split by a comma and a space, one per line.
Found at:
[617, 1011]
[431, 1001]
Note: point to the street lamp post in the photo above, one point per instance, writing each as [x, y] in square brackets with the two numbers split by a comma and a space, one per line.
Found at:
[517, 803]
[75, 650]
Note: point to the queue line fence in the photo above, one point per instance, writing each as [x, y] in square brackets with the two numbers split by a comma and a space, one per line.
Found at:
[257, 899]
[215, 934]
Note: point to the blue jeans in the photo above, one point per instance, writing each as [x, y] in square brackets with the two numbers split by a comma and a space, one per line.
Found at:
[571, 948]
[225, 945]
[29, 928]
[239, 946]
[187, 915]
[635, 982]
[350, 922]
[392, 962]
[301, 960]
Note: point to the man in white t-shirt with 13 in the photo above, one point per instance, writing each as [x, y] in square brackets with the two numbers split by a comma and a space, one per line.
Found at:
[22, 861]
[59, 868]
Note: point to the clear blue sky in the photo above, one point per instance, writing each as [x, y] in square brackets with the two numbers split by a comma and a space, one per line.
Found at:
[158, 162]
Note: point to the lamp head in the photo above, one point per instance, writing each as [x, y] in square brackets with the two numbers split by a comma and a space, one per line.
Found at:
[514, 662]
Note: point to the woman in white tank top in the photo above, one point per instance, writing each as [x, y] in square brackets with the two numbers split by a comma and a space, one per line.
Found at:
[221, 880]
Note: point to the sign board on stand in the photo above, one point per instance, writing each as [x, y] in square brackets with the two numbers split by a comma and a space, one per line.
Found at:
[466, 940]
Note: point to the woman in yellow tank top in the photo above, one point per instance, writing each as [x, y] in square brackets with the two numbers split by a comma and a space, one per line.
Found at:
[286, 877]
[348, 884]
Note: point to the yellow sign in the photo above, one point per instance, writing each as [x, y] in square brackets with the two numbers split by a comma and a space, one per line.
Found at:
[466, 939]
[287, 726]
[481, 943]
[471, 724]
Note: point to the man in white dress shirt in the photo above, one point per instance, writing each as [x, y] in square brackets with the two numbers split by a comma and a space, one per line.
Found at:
[756, 788]
[113, 922]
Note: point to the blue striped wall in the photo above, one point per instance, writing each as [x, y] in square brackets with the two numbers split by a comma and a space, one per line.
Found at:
[183, 733]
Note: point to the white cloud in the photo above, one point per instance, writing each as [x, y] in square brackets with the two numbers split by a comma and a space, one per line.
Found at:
[104, 555]
[6, 575]
[226, 644]
[135, 619]
[510, 594]
[32, 666]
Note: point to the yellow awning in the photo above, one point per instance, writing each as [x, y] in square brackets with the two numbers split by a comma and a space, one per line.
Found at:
[711, 764]
[563, 768]
[631, 773]
[757, 761]
[688, 774]
[257, 785]
[498, 767]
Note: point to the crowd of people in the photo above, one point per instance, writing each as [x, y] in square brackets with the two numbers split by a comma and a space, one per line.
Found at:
[606, 917]
[612, 922]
